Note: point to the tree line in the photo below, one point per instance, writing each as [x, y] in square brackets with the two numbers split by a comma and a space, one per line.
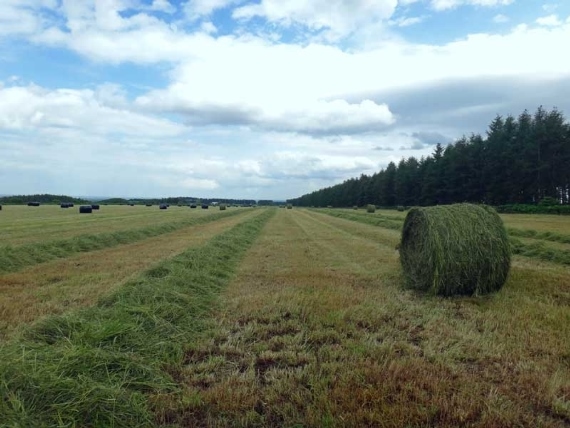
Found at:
[521, 160]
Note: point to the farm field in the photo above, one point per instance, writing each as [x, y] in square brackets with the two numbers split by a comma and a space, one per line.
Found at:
[282, 318]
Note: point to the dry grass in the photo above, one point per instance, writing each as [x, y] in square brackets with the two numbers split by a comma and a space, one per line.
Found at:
[316, 330]
[61, 285]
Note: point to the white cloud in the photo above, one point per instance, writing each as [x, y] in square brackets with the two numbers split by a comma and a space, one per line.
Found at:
[549, 21]
[450, 4]
[500, 19]
[35, 108]
[407, 21]
[341, 17]
[197, 8]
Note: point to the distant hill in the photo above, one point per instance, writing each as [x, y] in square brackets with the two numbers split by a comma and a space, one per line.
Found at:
[45, 198]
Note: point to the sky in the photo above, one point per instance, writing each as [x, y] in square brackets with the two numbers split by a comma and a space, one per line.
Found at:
[263, 99]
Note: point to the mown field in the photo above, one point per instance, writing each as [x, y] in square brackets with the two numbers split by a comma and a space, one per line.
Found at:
[270, 317]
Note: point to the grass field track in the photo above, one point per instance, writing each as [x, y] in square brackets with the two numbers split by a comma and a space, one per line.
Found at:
[109, 364]
[316, 330]
[61, 285]
[15, 258]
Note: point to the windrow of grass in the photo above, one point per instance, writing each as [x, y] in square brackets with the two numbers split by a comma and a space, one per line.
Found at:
[544, 236]
[100, 366]
[534, 250]
[15, 258]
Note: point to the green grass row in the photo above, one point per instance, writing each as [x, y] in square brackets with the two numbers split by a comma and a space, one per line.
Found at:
[544, 236]
[19, 257]
[536, 250]
[102, 366]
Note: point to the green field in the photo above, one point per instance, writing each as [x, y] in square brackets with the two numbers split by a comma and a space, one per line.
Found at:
[133, 316]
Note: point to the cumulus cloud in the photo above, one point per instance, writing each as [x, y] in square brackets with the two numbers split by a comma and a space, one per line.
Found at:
[33, 107]
[195, 9]
[549, 21]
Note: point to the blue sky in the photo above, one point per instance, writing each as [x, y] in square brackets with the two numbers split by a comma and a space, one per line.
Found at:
[258, 99]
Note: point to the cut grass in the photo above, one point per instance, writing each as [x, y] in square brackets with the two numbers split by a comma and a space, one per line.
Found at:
[61, 285]
[23, 225]
[15, 258]
[317, 330]
[535, 250]
[98, 366]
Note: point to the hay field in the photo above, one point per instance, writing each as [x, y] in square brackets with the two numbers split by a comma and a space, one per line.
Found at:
[284, 318]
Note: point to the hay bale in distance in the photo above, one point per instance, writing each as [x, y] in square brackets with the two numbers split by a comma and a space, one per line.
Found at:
[193, 206]
[162, 206]
[148, 205]
[33, 204]
[95, 206]
[0, 207]
[400, 208]
[65, 205]
[85, 209]
[355, 207]
[205, 207]
[460, 249]
[222, 207]
[370, 208]
[289, 206]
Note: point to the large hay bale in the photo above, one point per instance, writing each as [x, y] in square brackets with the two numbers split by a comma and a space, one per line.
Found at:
[460, 249]
[0, 207]
[95, 206]
[85, 209]
[205, 207]
[33, 204]
[289, 206]
[162, 206]
[193, 206]
[401, 208]
[222, 207]
[370, 208]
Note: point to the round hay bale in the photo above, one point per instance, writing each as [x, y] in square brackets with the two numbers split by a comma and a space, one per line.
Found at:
[0, 207]
[85, 209]
[33, 204]
[205, 207]
[148, 205]
[370, 208]
[193, 206]
[289, 206]
[95, 206]
[460, 249]
[222, 207]
[355, 207]
[401, 208]
[162, 206]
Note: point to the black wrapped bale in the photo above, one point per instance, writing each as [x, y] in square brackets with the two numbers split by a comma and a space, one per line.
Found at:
[64, 205]
[163, 206]
[370, 208]
[95, 206]
[148, 205]
[205, 207]
[85, 209]
[192, 206]
[33, 204]
[460, 249]
[0, 207]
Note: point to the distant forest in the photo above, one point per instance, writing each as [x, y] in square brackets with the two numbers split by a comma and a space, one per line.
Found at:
[522, 160]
